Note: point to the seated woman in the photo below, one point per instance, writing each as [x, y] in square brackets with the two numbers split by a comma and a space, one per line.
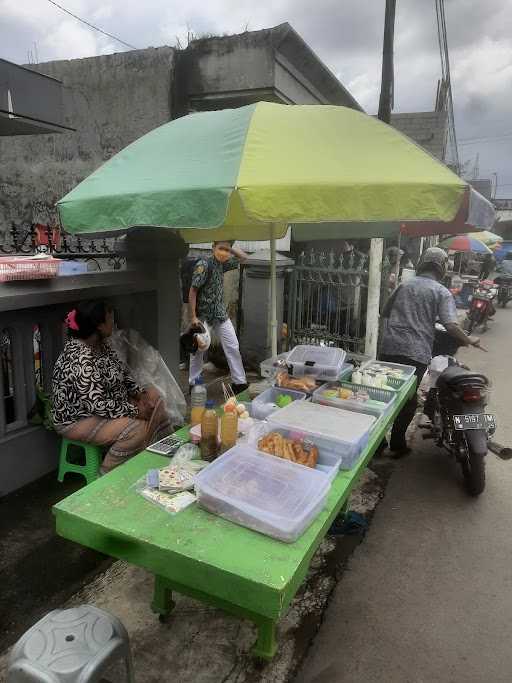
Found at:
[95, 399]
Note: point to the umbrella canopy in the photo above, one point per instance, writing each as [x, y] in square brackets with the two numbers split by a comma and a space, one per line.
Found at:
[247, 173]
[465, 243]
[487, 237]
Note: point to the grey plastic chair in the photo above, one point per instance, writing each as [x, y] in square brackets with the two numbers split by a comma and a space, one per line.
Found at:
[70, 646]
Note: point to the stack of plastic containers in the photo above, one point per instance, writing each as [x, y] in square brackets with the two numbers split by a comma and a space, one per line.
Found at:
[323, 362]
[341, 432]
[279, 499]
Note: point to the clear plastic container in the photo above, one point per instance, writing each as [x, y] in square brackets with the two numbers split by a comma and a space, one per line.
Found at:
[393, 381]
[328, 460]
[265, 404]
[379, 400]
[323, 362]
[270, 366]
[341, 431]
[265, 494]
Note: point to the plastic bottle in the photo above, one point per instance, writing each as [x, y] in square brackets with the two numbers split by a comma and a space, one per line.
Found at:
[228, 430]
[209, 433]
[197, 401]
[357, 377]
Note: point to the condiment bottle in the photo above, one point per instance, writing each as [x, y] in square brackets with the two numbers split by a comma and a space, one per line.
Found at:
[209, 433]
[228, 430]
[197, 401]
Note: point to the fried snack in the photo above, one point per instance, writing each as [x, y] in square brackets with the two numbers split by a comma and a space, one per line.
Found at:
[313, 457]
[306, 384]
[288, 449]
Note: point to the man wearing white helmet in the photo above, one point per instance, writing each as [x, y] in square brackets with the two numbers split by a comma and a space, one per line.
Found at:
[409, 327]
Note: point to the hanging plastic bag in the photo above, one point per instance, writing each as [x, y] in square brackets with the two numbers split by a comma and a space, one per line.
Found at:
[148, 368]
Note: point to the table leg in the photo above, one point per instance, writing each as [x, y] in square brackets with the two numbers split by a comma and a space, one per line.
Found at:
[344, 508]
[266, 645]
[162, 603]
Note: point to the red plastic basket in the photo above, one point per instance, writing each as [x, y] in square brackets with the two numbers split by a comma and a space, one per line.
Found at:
[22, 268]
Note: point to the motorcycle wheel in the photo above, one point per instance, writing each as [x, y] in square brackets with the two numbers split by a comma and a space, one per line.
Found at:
[473, 466]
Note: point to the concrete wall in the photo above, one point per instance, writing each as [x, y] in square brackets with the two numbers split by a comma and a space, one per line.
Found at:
[428, 128]
[111, 101]
[27, 451]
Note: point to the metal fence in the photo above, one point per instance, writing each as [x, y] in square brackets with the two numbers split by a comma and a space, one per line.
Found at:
[36, 239]
[327, 299]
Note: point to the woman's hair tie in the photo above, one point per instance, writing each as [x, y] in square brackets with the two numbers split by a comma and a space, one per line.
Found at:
[71, 321]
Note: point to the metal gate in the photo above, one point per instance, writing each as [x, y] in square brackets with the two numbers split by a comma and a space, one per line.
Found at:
[327, 300]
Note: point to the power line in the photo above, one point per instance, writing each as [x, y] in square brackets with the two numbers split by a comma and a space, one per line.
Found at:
[490, 138]
[105, 33]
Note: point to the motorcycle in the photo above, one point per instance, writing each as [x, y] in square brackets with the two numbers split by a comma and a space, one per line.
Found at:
[455, 406]
[481, 306]
[504, 283]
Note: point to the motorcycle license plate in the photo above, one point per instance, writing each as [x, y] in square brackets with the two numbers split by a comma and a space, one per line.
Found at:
[479, 421]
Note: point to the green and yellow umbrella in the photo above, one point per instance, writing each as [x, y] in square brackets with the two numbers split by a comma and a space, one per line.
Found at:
[248, 173]
[237, 172]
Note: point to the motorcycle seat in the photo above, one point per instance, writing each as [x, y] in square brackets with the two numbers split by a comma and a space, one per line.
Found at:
[455, 375]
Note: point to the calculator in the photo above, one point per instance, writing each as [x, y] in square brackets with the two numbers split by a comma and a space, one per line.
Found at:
[167, 446]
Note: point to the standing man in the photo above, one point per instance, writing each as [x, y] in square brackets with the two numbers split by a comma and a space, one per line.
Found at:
[206, 303]
[408, 335]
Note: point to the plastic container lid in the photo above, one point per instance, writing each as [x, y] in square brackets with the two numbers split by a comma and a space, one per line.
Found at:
[343, 432]
[199, 380]
[265, 494]
[324, 421]
[209, 404]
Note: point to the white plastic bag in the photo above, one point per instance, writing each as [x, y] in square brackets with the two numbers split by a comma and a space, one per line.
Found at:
[438, 364]
[148, 368]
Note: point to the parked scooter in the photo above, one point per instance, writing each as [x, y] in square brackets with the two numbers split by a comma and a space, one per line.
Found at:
[455, 405]
[481, 307]
[504, 283]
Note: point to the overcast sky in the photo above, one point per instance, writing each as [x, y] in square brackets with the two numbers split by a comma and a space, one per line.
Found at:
[346, 34]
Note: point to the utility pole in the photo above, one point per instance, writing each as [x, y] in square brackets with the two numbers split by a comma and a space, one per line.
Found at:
[387, 79]
[377, 245]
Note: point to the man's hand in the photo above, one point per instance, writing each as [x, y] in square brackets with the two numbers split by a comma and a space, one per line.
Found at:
[474, 341]
[194, 322]
[239, 254]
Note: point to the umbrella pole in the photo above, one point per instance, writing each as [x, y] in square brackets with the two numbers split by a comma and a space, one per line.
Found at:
[273, 293]
[372, 311]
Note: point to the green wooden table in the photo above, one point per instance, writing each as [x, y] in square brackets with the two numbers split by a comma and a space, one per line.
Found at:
[198, 554]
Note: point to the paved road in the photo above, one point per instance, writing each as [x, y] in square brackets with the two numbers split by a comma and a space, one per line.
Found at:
[427, 597]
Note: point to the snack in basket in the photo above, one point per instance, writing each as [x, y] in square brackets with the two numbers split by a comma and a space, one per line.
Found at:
[307, 384]
[289, 449]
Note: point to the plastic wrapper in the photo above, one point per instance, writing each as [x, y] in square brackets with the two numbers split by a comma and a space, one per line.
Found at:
[148, 368]
[170, 502]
